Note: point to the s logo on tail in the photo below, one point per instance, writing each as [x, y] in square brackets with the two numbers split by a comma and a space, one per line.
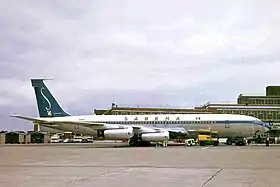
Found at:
[46, 103]
[48, 109]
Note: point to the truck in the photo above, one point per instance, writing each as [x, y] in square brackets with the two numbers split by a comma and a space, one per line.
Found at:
[55, 138]
[87, 139]
[77, 139]
[190, 142]
[207, 137]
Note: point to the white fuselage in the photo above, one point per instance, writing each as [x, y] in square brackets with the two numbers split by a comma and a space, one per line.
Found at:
[226, 124]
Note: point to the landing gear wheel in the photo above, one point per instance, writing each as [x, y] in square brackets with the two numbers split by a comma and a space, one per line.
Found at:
[144, 143]
[138, 143]
[229, 141]
[240, 143]
[132, 142]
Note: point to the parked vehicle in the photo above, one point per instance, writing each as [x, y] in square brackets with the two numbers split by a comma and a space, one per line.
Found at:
[78, 139]
[190, 142]
[55, 139]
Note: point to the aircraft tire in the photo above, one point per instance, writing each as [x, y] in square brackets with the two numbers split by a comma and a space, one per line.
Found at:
[131, 142]
[144, 143]
[135, 143]
[240, 143]
[229, 141]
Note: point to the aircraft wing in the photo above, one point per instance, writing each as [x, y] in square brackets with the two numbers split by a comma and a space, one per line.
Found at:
[178, 130]
[99, 126]
[95, 126]
[52, 123]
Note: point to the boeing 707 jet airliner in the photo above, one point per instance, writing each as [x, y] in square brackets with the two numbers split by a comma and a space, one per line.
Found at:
[138, 129]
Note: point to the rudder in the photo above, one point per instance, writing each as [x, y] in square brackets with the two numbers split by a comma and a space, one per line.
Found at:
[47, 105]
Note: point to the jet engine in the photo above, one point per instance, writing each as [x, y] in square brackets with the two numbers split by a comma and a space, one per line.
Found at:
[155, 137]
[119, 134]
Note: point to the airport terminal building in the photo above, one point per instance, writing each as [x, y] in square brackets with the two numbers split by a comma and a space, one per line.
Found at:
[265, 107]
[266, 113]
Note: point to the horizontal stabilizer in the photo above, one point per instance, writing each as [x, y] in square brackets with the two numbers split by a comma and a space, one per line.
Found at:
[35, 120]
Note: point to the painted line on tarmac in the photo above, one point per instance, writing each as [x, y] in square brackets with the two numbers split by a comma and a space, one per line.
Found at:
[206, 147]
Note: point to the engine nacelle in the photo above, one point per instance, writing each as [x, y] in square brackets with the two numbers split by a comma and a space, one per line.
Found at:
[119, 134]
[156, 137]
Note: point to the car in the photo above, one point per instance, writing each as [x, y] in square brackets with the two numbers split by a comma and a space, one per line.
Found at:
[190, 142]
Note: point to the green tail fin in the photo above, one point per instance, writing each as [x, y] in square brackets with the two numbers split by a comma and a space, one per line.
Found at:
[47, 105]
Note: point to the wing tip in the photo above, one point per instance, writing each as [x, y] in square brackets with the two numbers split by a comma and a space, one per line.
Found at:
[13, 115]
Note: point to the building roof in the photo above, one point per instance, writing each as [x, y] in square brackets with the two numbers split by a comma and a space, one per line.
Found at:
[260, 96]
[238, 106]
[156, 110]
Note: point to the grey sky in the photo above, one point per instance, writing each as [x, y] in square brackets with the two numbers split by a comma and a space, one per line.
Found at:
[146, 53]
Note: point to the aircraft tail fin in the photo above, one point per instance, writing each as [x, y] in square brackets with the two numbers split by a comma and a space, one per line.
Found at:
[47, 105]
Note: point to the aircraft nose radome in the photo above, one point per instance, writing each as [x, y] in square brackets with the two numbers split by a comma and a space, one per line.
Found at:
[266, 129]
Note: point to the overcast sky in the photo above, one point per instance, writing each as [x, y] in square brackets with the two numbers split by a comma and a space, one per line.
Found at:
[147, 53]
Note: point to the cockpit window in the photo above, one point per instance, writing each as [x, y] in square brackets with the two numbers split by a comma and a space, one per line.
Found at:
[257, 121]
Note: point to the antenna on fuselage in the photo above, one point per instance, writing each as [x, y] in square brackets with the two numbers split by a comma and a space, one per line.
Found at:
[110, 110]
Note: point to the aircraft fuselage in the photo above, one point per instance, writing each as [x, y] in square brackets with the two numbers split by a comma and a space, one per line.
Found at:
[226, 125]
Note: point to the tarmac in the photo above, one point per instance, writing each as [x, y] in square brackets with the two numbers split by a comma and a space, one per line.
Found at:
[115, 165]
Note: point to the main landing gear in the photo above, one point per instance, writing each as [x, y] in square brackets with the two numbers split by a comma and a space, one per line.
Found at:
[137, 142]
[236, 141]
[164, 143]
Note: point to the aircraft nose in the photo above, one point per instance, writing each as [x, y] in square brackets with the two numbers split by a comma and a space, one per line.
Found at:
[263, 127]
[267, 127]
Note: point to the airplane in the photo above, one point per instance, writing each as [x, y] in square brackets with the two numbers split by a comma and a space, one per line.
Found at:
[139, 130]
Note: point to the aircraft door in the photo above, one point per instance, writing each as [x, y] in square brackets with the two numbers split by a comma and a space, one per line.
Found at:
[165, 124]
[227, 125]
[227, 129]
